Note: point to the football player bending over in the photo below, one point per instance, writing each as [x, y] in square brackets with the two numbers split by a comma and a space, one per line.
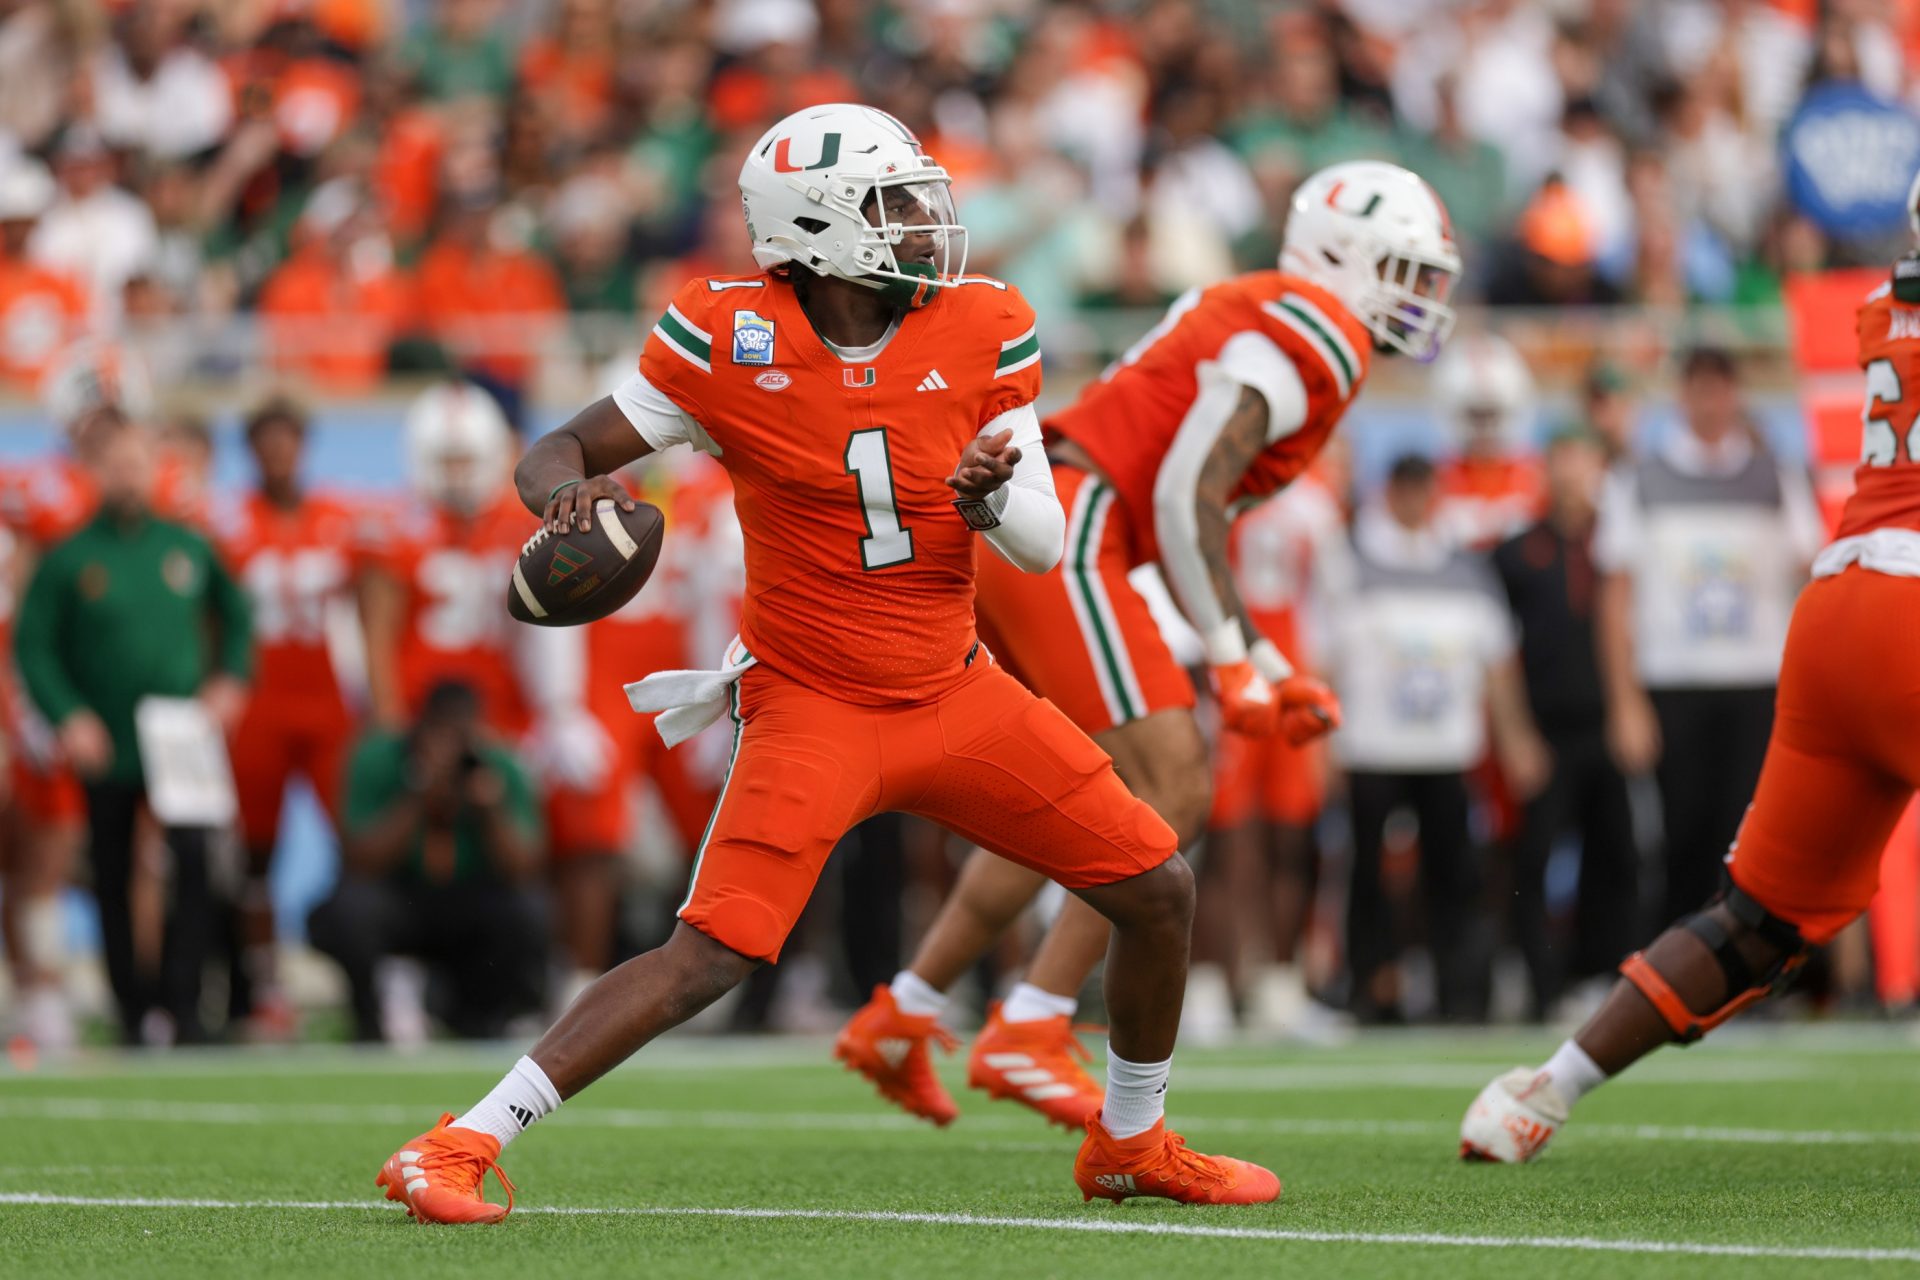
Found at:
[1223, 403]
[851, 389]
[1842, 765]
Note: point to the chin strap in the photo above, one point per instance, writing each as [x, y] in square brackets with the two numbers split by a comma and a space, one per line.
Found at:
[912, 293]
[1745, 987]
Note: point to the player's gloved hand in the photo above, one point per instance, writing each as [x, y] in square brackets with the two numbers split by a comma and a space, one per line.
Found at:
[1248, 701]
[571, 751]
[1308, 709]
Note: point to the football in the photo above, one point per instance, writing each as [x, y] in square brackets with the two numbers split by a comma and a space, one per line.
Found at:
[584, 575]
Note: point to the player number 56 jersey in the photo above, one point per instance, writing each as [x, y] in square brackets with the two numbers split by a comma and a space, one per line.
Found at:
[1880, 526]
[859, 569]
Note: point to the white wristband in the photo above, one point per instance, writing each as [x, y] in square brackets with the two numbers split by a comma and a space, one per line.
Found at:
[1226, 644]
[1269, 661]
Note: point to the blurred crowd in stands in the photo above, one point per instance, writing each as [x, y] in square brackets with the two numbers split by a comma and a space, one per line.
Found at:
[1543, 634]
[406, 184]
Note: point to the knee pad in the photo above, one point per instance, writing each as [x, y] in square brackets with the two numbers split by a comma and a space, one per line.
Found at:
[1744, 986]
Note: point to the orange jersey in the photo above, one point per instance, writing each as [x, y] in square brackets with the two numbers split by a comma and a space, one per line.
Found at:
[860, 572]
[454, 572]
[41, 311]
[1127, 421]
[1887, 485]
[295, 565]
[48, 501]
[1484, 501]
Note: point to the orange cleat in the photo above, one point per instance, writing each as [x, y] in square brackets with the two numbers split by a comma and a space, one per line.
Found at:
[1157, 1163]
[437, 1175]
[889, 1048]
[1036, 1064]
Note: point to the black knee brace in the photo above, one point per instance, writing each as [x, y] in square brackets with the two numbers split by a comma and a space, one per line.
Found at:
[1744, 987]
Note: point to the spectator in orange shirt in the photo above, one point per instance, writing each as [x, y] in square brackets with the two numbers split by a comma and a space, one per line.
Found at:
[333, 308]
[41, 310]
[487, 297]
[571, 70]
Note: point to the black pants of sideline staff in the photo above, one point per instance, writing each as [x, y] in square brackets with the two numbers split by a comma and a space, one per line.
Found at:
[1449, 883]
[1712, 743]
[113, 812]
[484, 944]
[1585, 797]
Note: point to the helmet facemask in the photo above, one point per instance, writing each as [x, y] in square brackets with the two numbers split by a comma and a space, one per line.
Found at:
[1411, 314]
[912, 238]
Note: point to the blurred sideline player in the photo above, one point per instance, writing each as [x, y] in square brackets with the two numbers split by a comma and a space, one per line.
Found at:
[1267, 792]
[691, 606]
[1492, 486]
[851, 389]
[1842, 765]
[432, 612]
[1223, 403]
[43, 503]
[297, 555]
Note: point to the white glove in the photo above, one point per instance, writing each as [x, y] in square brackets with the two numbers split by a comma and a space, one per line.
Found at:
[571, 751]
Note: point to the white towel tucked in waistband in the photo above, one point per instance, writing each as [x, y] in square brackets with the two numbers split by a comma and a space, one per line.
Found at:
[689, 701]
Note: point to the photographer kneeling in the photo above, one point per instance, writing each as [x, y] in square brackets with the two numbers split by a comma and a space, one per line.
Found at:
[439, 850]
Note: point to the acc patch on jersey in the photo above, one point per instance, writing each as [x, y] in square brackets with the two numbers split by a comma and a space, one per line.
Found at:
[752, 338]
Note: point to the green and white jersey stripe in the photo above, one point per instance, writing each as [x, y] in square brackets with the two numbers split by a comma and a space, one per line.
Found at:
[1322, 333]
[1093, 607]
[1017, 353]
[686, 339]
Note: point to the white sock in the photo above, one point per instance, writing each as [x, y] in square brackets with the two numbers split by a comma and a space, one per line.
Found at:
[1136, 1095]
[523, 1095]
[1573, 1073]
[916, 996]
[1028, 1003]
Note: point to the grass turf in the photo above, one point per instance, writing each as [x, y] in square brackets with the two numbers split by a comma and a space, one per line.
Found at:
[1812, 1141]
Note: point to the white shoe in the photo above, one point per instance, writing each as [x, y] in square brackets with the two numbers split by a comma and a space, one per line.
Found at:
[1280, 1007]
[47, 1020]
[1207, 1016]
[1513, 1119]
[402, 985]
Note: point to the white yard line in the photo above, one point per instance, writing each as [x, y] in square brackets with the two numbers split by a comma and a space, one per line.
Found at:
[1092, 1225]
[157, 1111]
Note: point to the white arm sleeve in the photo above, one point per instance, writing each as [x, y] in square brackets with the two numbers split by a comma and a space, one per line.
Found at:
[660, 422]
[1033, 529]
[1248, 360]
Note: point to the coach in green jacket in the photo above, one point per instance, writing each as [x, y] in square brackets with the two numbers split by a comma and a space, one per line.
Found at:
[129, 607]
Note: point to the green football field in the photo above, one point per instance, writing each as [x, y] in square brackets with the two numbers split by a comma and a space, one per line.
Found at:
[1764, 1153]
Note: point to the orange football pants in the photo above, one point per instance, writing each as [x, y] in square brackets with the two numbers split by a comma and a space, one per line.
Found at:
[1080, 635]
[1844, 758]
[987, 760]
[277, 738]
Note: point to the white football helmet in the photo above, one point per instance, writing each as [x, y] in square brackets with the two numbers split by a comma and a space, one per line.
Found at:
[1484, 392]
[92, 375]
[845, 190]
[1378, 238]
[458, 447]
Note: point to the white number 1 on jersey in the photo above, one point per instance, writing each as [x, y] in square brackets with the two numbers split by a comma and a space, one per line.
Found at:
[886, 542]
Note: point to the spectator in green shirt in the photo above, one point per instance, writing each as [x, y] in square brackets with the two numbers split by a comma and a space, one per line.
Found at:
[132, 607]
[440, 852]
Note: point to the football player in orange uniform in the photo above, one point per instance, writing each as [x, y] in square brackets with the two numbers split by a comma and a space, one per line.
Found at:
[691, 606]
[851, 390]
[1223, 403]
[297, 555]
[1493, 485]
[1842, 765]
[432, 614]
[1267, 792]
[43, 504]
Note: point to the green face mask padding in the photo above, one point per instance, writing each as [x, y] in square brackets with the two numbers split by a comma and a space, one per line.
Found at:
[914, 292]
